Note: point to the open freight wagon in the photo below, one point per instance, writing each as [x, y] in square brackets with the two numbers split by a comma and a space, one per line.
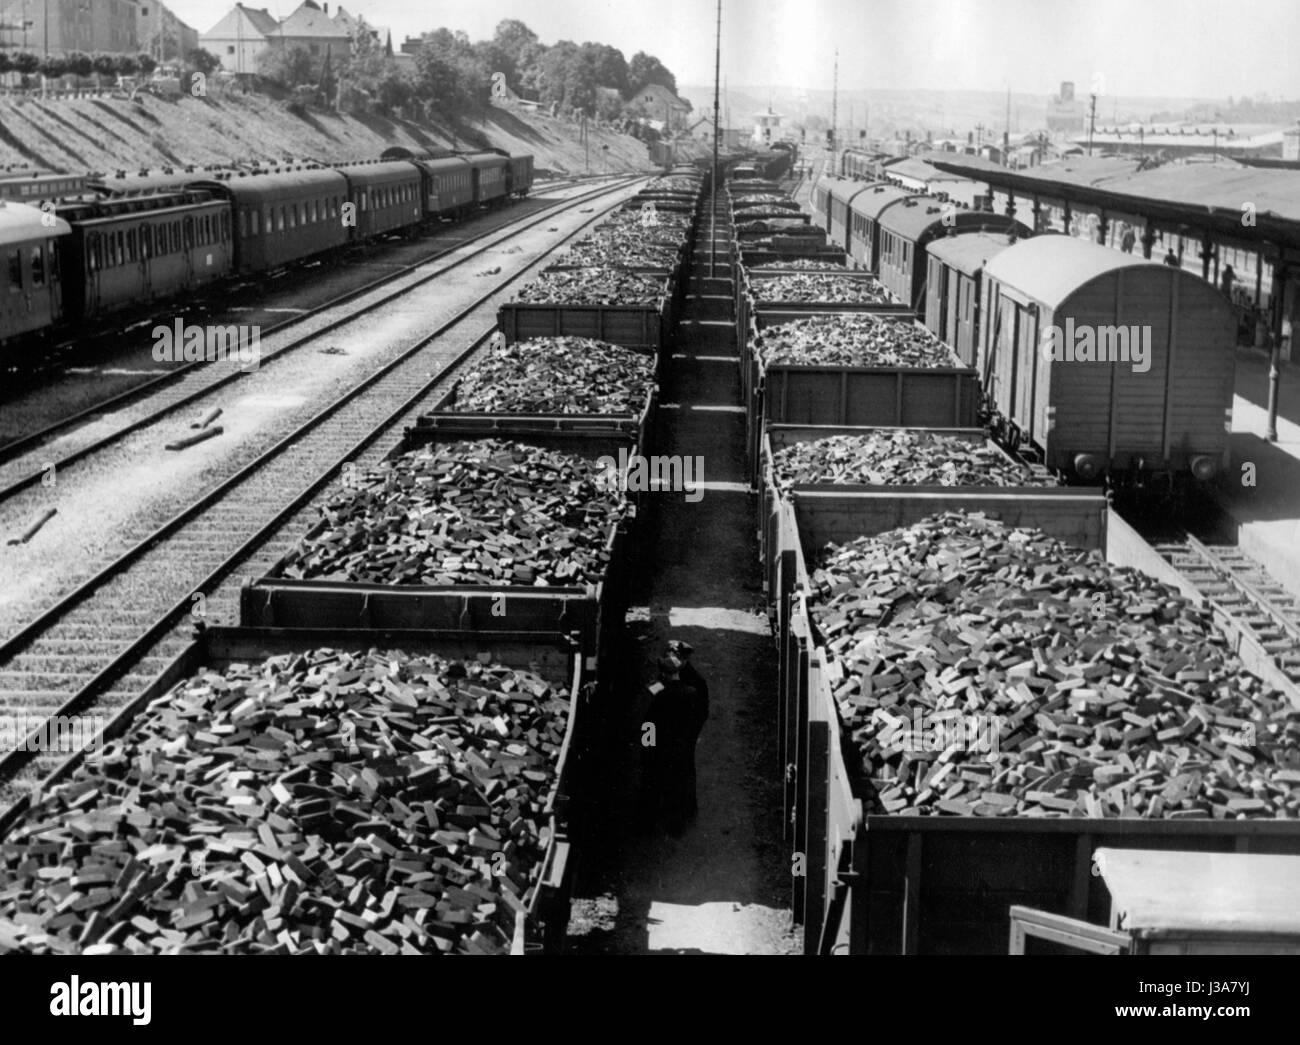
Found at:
[644, 327]
[842, 511]
[849, 396]
[591, 613]
[892, 884]
[541, 926]
[750, 302]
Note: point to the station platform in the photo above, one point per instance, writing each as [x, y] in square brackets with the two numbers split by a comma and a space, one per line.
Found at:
[1265, 516]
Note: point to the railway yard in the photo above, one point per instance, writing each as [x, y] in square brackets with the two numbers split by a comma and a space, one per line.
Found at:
[353, 641]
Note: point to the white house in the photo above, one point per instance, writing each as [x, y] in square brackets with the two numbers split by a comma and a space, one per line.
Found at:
[239, 38]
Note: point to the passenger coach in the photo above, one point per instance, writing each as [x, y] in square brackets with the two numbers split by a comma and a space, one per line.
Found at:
[284, 216]
[387, 194]
[32, 301]
[131, 250]
[865, 210]
[907, 228]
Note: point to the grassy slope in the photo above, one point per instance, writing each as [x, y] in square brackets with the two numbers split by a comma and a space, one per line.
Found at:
[78, 134]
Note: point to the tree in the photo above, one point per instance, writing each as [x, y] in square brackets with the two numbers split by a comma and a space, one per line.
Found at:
[104, 65]
[449, 75]
[395, 92]
[202, 61]
[287, 66]
[608, 66]
[567, 79]
[145, 63]
[646, 69]
[80, 63]
[514, 39]
[529, 67]
[25, 62]
[496, 59]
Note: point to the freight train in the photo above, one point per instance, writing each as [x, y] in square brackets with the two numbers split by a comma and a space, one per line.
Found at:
[133, 240]
[1104, 366]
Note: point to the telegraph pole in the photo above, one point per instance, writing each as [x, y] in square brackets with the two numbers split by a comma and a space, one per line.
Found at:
[835, 105]
[1092, 120]
[717, 132]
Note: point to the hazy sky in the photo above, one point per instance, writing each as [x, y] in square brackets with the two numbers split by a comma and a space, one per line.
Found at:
[1198, 48]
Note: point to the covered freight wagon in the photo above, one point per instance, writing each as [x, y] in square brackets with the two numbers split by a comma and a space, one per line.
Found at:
[1107, 363]
[955, 272]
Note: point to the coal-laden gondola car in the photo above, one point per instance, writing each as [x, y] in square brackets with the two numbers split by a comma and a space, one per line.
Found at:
[32, 301]
[126, 251]
[283, 216]
[387, 196]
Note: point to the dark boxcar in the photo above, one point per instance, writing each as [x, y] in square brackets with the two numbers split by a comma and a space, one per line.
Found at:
[387, 196]
[908, 228]
[284, 216]
[1106, 362]
[132, 250]
[952, 296]
[489, 175]
[32, 299]
[448, 186]
[519, 175]
[865, 210]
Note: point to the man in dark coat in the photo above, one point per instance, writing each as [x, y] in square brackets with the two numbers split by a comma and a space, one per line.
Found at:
[682, 650]
[670, 752]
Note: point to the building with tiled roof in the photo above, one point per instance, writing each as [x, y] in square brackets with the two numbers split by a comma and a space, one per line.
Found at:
[240, 37]
[311, 28]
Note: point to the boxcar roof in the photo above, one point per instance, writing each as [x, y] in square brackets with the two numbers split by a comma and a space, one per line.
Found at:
[912, 217]
[444, 165]
[877, 197]
[382, 173]
[969, 252]
[266, 188]
[1203, 892]
[486, 159]
[1050, 268]
[152, 181]
[20, 223]
[844, 189]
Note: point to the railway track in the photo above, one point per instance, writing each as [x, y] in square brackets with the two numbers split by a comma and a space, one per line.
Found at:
[1244, 593]
[23, 461]
[97, 647]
